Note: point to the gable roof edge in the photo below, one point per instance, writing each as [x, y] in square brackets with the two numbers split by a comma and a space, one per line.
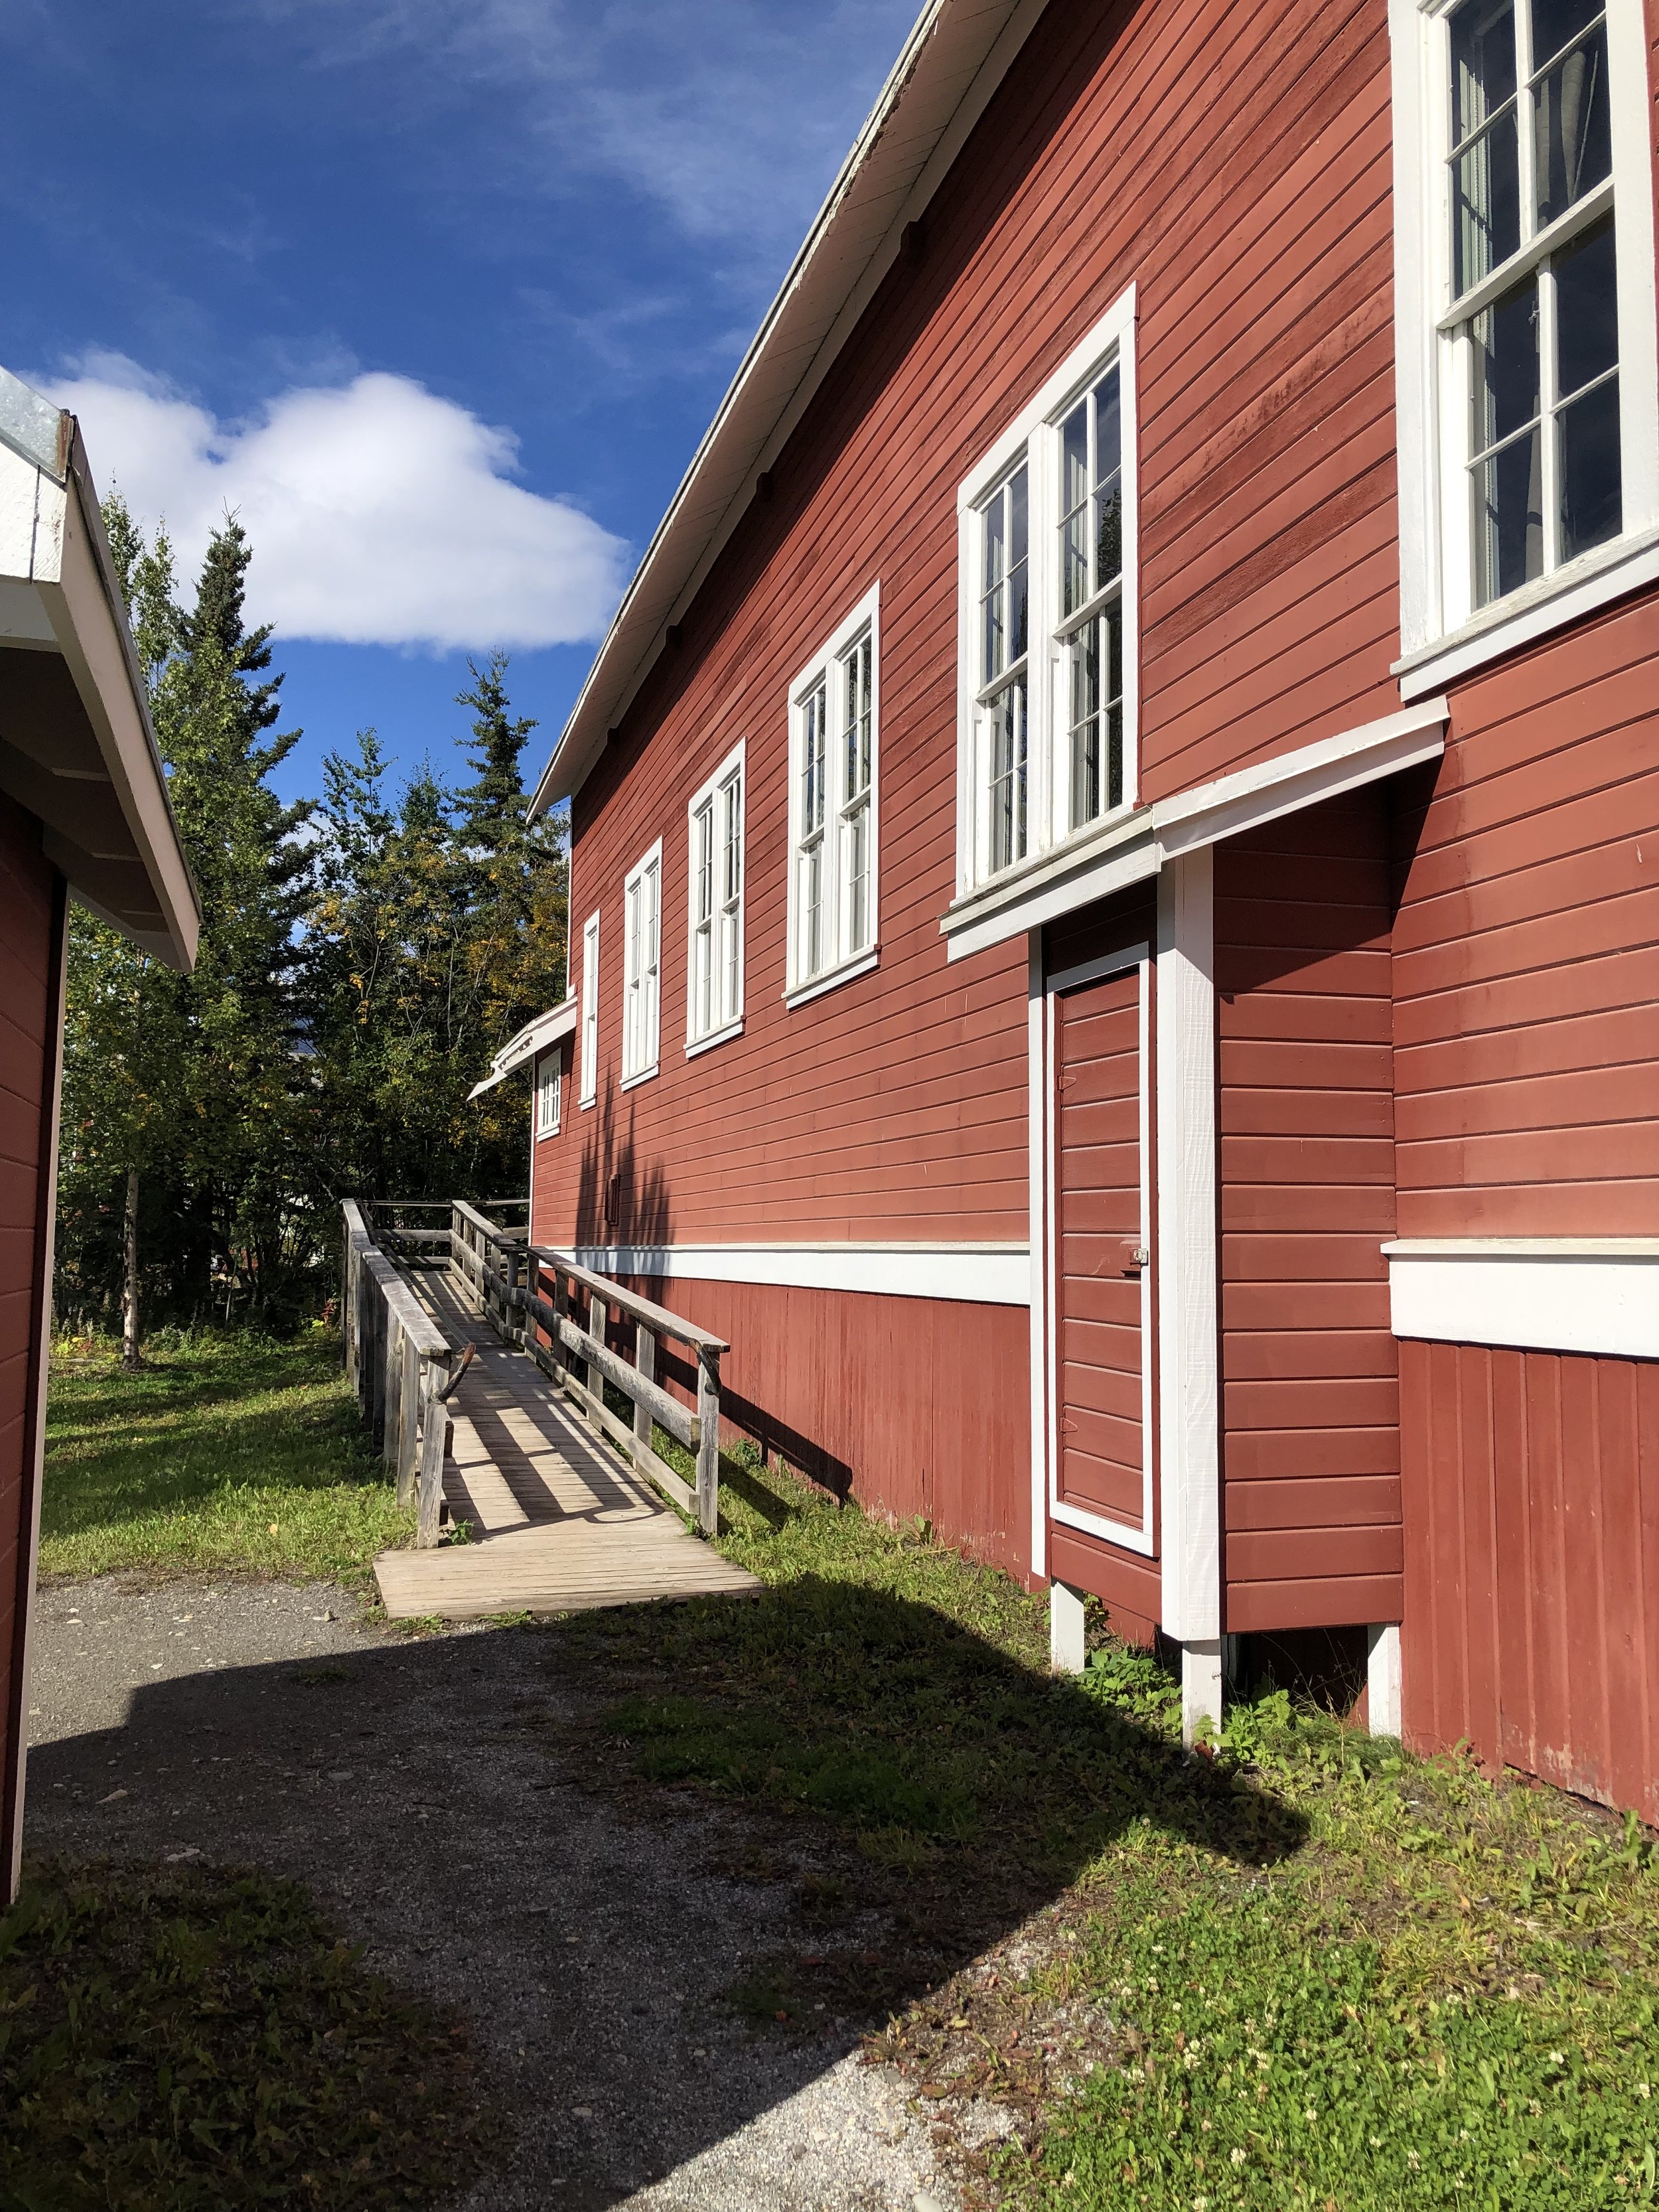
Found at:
[952, 61]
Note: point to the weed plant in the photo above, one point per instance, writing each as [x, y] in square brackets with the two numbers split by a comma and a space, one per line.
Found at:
[203, 2041]
[1315, 1971]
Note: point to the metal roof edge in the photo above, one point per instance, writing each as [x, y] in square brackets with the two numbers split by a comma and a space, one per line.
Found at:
[966, 43]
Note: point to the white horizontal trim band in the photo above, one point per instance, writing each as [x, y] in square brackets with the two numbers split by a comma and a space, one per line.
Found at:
[973, 1275]
[1136, 847]
[1537, 1293]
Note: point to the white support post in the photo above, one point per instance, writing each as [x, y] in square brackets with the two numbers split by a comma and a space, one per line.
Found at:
[1384, 1680]
[1066, 1642]
[1189, 1422]
[1200, 1686]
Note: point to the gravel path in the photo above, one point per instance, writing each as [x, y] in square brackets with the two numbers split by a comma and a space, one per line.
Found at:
[424, 1792]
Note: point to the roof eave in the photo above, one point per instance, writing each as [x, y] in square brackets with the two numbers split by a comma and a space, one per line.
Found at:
[956, 55]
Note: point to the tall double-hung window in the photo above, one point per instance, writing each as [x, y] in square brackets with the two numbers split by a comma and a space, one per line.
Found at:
[590, 1061]
[1529, 449]
[641, 966]
[1047, 569]
[550, 1071]
[834, 721]
[713, 1008]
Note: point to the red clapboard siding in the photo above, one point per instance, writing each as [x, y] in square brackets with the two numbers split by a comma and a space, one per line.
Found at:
[1252, 211]
[1526, 950]
[1310, 1399]
[1099, 1355]
[30, 925]
[1531, 1483]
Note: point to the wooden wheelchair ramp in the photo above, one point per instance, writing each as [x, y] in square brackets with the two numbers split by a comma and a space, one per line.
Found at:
[559, 1522]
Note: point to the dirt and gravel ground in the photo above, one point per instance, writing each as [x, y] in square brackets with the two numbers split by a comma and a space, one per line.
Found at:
[428, 1791]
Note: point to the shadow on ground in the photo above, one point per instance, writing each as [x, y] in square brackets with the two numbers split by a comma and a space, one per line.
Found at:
[628, 1841]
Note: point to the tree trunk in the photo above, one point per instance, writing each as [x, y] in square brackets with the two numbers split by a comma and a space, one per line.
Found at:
[129, 1357]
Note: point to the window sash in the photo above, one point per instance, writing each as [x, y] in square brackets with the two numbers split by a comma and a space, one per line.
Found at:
[1539, 480]
[549, 1076]
[716, 982]
[642, 967]
[833, 876]
[590, 1089]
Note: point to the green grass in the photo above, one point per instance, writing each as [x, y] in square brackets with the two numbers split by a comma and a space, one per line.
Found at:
[1307, 1971]
[222, 1455]
[198, 2039]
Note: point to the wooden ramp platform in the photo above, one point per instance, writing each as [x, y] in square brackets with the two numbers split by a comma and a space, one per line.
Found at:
[559, 1523]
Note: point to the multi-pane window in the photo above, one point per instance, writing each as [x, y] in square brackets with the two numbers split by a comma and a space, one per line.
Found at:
[641, 965]
[1535, 283]
[590, 1089]
[1047, 581]
[1005, 638]
[549, 1072]
[834, 713]
[1090, 633]
[858, 730]
[714, 981]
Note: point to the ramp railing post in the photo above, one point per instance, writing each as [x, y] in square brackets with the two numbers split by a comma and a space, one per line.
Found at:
[708, 1440]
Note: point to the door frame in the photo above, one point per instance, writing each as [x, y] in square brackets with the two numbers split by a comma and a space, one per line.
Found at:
[1143, 1541]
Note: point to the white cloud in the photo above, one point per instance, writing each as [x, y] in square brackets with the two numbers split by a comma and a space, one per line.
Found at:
[733, 114]
[379, 513]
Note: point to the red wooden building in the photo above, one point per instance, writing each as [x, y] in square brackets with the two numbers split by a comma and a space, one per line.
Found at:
[1115, 921]
[83, 814]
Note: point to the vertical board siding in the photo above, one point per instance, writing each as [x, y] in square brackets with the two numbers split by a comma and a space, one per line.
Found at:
[1532, 1570]
[1526, 950]
[1309, 1395]
[918, 1406]
[29, 1017]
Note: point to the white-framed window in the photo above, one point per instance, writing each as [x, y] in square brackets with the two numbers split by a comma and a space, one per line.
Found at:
[1527, 370]
[641, 965]
[1046, 572]
[550, 1086]
[835, 720]
[589, 1085]
[714, 980]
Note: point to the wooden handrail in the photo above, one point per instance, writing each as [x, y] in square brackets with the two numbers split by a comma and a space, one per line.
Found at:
[655, 1317]
[400, 1361]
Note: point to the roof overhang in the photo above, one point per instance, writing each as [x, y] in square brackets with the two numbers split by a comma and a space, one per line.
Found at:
[952, 61]
[76, 749]
[534, 1038]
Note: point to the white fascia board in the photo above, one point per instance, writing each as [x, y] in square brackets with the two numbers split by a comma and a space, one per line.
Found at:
[956, 54]
[1140, 845]
[1585, 1294]
[534, 1038]
[1285, 785]
[973, 1275]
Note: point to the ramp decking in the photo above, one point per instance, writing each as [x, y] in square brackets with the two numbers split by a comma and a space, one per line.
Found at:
[559, 1522]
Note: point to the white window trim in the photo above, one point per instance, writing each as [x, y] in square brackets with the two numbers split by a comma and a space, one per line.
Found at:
[734, 764]
[651, 858]
[1136, 958]
[798, 987]
[1037, 435]
[1439, 637]
[550, 1062]
[590, 1078]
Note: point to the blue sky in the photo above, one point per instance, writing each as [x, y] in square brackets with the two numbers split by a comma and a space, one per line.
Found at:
[440, 294]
